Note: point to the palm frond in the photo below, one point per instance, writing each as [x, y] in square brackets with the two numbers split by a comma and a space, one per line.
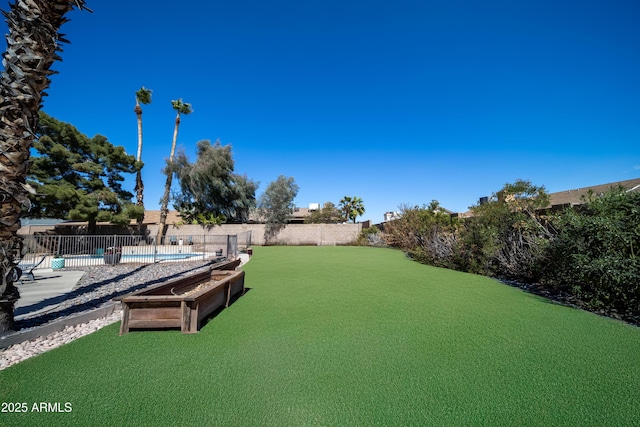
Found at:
[181, 107]
[143, 95]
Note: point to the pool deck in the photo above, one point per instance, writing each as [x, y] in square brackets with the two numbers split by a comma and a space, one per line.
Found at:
[46, 292]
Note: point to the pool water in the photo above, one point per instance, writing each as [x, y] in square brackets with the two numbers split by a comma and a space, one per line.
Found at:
[134, 257]
[159, 256]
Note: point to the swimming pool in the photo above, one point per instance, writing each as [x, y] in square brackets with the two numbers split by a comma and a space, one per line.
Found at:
[134, 257]
[144, 258]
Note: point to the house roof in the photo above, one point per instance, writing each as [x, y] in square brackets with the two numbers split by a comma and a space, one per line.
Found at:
[574, 197]
[300, 213]
[153, 217]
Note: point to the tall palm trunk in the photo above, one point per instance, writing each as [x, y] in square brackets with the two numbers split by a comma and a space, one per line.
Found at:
[164, 208]
[139, 185]
[143, 96]
[181, 108]
[32, 46]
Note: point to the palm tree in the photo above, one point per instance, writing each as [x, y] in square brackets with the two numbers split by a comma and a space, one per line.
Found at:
[180, 108]
[33, 44]
[352, 207]
[143, 96]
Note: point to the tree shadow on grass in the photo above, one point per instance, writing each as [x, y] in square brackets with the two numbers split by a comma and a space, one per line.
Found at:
[551, 296]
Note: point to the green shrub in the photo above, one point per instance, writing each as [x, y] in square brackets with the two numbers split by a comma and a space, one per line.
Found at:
[595, 255]
[371, 236]
[505, 237]
[428, 234]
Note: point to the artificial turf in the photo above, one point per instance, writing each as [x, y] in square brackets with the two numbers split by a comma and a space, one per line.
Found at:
[348, 336]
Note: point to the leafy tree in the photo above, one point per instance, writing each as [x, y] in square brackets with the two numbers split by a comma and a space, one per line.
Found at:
[506, 237]
[143, 96]
[480, 237]
[33, 44]
[523, 196]
[210, 190]
[351, 207]
[78, 177]
[329, 214]
[276, 205]
[180, 108]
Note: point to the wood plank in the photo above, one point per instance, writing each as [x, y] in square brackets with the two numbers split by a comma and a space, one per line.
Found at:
[185, 308]
[151, 313]
[124, 324]
[227, 265]
[155, 298]
[194, 325]
[236, 286]
[151, 290]
[153, 303]
[211, 302]
[154, 324]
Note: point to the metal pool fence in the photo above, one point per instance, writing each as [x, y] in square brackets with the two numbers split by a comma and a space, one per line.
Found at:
[79, 250]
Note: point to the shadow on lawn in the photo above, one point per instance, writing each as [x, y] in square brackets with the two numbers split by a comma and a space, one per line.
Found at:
[550, 296]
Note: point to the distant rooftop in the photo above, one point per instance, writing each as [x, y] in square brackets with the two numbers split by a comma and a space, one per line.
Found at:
[153, 217]
[574, 197]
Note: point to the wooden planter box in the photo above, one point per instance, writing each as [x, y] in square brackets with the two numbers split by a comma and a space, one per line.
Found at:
[181, 303]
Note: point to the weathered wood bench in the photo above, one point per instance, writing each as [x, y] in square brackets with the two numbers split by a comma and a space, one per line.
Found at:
[181, 303]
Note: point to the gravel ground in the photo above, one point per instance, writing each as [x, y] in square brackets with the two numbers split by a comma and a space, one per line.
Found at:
[97, 288]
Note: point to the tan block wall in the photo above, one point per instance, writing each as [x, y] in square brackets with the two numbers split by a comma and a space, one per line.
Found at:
[293, 234]
[318, 234]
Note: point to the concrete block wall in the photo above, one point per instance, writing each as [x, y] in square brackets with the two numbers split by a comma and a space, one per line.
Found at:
[292, 234]
[318, 234]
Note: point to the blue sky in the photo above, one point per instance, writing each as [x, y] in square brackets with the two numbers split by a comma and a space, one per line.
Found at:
[394, 102]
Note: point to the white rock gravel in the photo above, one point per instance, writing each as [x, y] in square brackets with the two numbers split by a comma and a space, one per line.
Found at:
[24, 350]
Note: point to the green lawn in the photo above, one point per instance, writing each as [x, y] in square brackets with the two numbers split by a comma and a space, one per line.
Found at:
[348, 336]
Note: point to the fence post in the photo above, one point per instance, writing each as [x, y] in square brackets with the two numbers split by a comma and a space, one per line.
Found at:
[155, 249]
